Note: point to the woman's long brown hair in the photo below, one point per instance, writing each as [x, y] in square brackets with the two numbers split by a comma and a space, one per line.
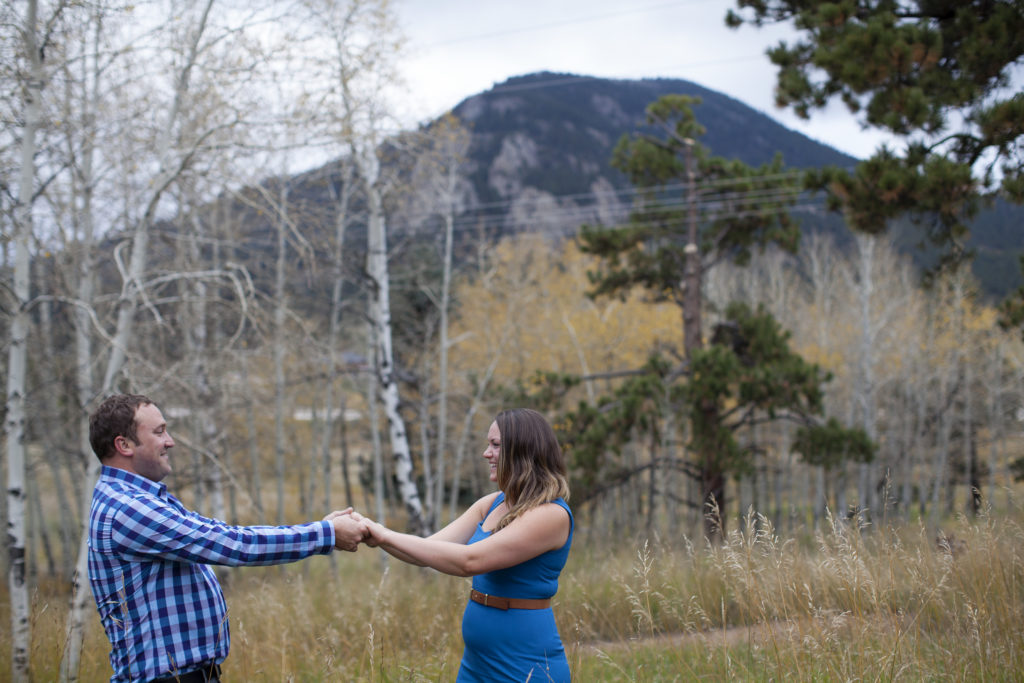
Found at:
[531, 467]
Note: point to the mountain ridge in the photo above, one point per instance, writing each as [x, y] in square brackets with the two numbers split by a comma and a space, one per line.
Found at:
[541, 145]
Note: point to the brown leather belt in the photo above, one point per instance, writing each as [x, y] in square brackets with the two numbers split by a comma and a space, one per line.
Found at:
[508, 603]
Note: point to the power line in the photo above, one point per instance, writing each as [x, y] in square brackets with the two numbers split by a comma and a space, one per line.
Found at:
[497, 214]
[711, 209]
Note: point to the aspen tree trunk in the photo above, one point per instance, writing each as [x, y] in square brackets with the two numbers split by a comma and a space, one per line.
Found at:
[5, 559]
[443, 343]
[652, 486]
[378, 455]
[842, 479]
[819, 256]
[867, 498]
[785, 451]
[713, 500]
[58, 431]
[341, 198]
[669, 476]
[820, 496]
[14, 423]
[86, 280]
[967, 444]
[940, 477]
[343, 438]
[81, 592]
[453, 146]
[440, 184]
[255, 481]
[84, 384]
[209, 482]
[908, 445]
[995, 412]
[17, 365]
[430, 514]
[380, 318]
[467, 425]
[361, 35]
[280, 295]
[38, 523]
[948, 383]
[1008, 493]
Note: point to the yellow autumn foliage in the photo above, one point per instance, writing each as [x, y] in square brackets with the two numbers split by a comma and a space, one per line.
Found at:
[528, 310]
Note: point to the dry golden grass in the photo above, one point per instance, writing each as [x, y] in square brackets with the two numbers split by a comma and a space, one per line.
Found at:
[858, 604]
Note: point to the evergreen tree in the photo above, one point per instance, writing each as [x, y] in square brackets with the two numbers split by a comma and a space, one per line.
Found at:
[938, 73]
[729, 209]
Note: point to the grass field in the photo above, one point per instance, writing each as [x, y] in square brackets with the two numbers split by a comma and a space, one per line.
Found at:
[844, 604]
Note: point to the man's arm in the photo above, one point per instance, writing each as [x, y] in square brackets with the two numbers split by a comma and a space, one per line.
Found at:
[148, 527]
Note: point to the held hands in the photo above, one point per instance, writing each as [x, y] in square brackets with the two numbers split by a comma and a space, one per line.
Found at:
[349, 529]
[374, 531]
[352, 528]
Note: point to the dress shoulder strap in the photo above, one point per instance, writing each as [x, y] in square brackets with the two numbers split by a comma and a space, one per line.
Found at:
[497, 501]
[565, 506]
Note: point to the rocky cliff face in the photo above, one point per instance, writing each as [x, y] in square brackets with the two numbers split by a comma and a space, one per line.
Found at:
[542, 144]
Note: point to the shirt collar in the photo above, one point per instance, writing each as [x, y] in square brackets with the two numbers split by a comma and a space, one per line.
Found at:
[157, 488]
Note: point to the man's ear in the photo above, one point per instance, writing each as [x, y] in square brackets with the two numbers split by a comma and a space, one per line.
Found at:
[123, 446]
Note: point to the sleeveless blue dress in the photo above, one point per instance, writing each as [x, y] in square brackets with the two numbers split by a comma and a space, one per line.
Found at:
[515, 645]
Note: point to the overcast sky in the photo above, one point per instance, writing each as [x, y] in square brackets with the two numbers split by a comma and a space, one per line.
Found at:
[461, 47]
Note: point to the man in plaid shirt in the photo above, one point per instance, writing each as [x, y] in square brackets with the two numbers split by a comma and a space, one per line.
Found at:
[161, 605]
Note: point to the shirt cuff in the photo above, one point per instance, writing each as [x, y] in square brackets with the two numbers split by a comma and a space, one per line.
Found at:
[329, 539]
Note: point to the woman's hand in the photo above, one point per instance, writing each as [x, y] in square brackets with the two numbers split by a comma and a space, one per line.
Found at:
[375, 533]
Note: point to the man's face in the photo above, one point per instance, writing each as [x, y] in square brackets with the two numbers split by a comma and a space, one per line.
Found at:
[150, 457]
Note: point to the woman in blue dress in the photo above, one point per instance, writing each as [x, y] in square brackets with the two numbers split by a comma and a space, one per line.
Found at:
[514, 543]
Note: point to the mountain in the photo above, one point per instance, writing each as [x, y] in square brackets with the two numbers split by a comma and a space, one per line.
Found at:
[541, 145]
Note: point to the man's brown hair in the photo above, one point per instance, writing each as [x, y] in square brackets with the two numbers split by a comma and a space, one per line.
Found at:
[115, 417]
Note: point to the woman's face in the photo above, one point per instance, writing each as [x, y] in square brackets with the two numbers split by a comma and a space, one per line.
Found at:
[493, 450]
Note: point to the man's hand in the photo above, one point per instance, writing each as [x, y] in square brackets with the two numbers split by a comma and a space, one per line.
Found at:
[369, 539]
[349, 529]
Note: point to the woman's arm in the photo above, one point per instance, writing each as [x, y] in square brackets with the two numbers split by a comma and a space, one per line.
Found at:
[458, 531]
[543, 528]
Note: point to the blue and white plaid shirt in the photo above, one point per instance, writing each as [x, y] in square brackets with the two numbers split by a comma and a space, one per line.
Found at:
[161, 605]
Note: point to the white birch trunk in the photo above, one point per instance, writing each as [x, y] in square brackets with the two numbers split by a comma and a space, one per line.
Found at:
[255, 481]
[940, 477]
[865, 378]
[81, 597]
[278, 353]
[333, 334]
[995, 416]
[442, 388]
[948, 382]
[378, 457]
[819, 257]
[14, 423]
[968, 438]
[467, 425]
[442, 188]
[58, 431]
[380, 318]
[209, 480]
[14, 428]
